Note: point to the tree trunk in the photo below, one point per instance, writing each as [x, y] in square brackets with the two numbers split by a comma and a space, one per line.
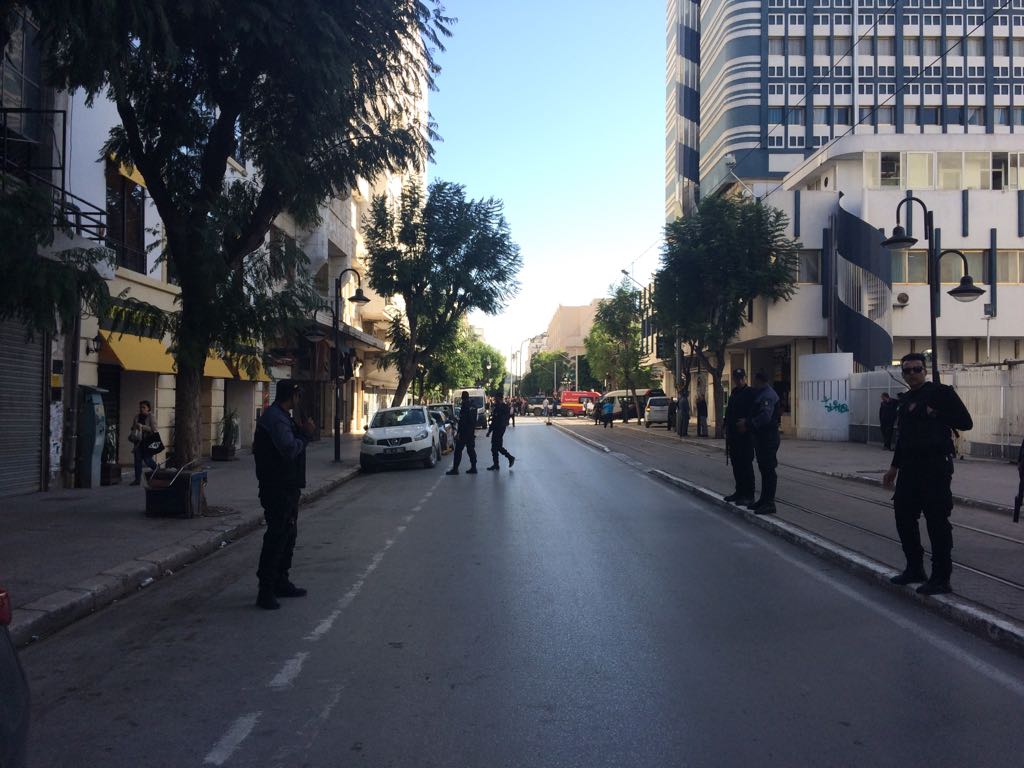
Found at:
[406, 376]
[188, 440]
[719, 391]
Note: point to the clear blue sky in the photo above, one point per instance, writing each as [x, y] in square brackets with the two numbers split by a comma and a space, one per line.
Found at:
[557, 108]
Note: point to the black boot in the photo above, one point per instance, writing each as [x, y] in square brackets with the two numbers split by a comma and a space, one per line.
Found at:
[912, 574]
[287, 589]
[935, 586]
[266, 599]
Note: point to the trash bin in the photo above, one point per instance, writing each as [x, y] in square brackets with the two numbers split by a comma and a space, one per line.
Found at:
[175, 493]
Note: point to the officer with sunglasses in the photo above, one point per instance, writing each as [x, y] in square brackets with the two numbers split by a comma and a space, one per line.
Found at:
[922, 469]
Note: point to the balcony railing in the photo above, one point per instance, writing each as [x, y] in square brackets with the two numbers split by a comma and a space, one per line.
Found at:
[40, 164]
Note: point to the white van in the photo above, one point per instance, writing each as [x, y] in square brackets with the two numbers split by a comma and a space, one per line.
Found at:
[478, 398]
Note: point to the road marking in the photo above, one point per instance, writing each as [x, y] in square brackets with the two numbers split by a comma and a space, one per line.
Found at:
[952, 649]
[325, 626]
[417, 508]
[289, 671]
[233, 739]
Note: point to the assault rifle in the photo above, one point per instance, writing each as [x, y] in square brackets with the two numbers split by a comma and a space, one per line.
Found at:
[1018, 499]
[727, 446]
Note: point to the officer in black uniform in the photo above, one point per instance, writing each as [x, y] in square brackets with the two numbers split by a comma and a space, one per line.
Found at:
[500, 415]
[465, 436]
[739, 439]
[279, 448]
[922, 469]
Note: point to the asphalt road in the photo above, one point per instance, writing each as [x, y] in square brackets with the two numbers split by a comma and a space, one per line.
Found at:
[572, 612]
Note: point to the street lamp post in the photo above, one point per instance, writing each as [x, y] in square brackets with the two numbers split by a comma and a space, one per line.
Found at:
[357, 298]
[965, 291]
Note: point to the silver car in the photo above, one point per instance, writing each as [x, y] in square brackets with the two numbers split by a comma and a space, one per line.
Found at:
[656, 411]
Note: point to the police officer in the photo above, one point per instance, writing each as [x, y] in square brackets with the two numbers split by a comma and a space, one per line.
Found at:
[279, 448]
[922, 469]
[764, 425]
[465, 436]
[739, 439]
[500, 415]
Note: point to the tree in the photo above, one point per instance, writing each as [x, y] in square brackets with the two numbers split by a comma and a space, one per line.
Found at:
[444, 255]
[713, 265]
[614, 345]
[462, 362]
[314, 95]
[549, 369]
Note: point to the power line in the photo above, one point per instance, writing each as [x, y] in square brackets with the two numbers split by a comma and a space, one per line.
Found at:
[913, 79]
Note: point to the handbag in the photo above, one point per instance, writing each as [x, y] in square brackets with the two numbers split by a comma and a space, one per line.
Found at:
[135, 435]
[151, 445]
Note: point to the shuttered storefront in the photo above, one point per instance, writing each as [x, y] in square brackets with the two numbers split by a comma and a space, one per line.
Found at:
[21, 411]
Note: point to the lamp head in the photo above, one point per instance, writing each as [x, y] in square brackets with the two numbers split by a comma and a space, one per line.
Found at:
[899, 239]
[359, 297]
[967, 290]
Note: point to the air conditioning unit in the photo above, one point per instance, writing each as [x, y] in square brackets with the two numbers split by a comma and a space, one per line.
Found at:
[902, 299]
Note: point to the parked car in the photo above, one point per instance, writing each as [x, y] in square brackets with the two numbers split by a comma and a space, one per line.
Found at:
[400, 435]
[448, 409]
[14, 694]
[656, 411]
[536, 405]
[445, 430]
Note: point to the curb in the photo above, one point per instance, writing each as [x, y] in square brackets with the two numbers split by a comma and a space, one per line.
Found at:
[976, 619]
[59, 609]
[582, 439]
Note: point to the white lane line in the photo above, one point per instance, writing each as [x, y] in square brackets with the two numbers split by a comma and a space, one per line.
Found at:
[408, 519]
[325, 626]
[233, 739]
[289, 671]
[952, 649]
[418, 508]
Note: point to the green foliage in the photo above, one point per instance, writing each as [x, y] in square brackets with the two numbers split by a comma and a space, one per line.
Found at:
[444, 255]
[548, 369]
[462, 362]
[314, 95]
[44, 294]
[614, 345]
[713, 265]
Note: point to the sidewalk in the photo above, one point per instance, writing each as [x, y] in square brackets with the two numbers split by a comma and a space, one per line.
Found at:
[64, 554]
[851, 523]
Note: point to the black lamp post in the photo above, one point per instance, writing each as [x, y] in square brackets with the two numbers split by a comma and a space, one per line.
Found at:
[966, 291]
[358, 298]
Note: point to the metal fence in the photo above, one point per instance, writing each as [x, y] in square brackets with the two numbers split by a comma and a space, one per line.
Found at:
[994, 395]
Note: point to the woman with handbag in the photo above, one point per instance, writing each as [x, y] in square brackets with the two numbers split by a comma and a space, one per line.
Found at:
[143, 430]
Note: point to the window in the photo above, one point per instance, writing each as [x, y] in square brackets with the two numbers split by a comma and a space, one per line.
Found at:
[911, 71]
[841, 115]
[1008, 266]
[931, 46]
[887, 20]
[797, 71]
[951, 267]
[796, 142]
[886, 46]
[126, 203]
[1001, 116]
[796, 46]
[796, 89]
[797, 19]
[776, 89]
[868, 71]
[975, 89]
[949, 165]
[821, 46]
[1001, 89]
[775, 115]
[796, 117]
[885, 115]
[911, 116]
[821, 19]
[957, 89]
[918, 169]
[933, 20]
[821, 115]
[955, 71]
[777, 46]
[887, 71]
[844, 71]
[976, 170]
[866, 46]
[844, 88]
[917, 267]
[865, 114]
[871, 178]
[930, 116]
[976, 71]
[821, 72]
[822, 88]
[776, 19]
[776, 71]
[912, 46]
[865, 88]
[911, 20]
[1000, 46]
[809, 270]
[954, 20]
[889, 169]
[776, 140]
[843, 19]
[21, 74]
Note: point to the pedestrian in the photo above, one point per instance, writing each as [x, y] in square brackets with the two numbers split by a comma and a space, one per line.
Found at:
[670, 422]
[922, 470]
[511, 411]
[702, 415]
[500, 414]
[683, 430]
[887, 419]
[279, 448]
[606, 414]
[765, 417]
[143, 426]
[547, 411]
[738, 439]
[465, 436]
[598, 412]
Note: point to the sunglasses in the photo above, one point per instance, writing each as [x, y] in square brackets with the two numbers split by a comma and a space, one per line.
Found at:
[915, 369]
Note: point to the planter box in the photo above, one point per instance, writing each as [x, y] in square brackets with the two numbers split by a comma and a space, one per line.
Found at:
[110, 474]
[222, 453]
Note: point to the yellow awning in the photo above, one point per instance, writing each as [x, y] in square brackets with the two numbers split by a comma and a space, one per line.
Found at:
[136, 353]
[243, 375]
[216, 368]
[128, 173]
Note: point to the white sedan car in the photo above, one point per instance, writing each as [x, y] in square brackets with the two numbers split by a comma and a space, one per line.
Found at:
[399, 435]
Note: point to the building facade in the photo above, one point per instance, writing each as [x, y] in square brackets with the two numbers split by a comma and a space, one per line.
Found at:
[835, 111]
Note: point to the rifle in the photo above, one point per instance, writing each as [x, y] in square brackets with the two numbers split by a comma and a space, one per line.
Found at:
[1018, 499]
[727, 446]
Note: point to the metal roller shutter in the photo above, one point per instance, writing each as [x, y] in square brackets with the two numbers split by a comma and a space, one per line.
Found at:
[21, 411]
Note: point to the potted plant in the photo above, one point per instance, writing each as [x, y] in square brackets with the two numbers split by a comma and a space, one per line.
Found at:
[225, 451]
[110, 470]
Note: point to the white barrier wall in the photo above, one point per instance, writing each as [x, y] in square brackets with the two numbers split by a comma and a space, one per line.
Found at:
[824, 382]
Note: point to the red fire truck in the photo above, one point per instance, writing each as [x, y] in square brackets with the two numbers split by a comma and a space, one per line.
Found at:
[575, 403]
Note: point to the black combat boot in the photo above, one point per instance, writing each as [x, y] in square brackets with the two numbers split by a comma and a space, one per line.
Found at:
[912, 574]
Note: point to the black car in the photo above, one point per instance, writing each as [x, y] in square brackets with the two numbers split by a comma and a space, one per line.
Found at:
[14, 696]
